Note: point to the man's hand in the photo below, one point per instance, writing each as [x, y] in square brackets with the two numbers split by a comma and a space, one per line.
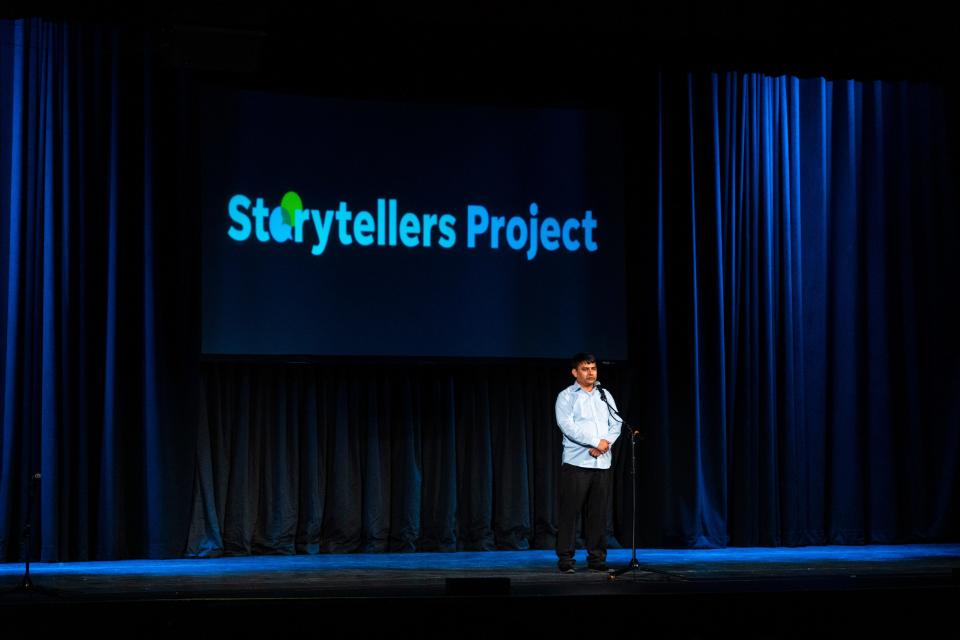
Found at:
[596, 453]
[603, 447]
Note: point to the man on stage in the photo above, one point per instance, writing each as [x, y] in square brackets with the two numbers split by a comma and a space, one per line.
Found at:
[589, 429]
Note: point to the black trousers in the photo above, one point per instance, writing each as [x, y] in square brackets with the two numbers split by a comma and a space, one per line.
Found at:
[586, 490]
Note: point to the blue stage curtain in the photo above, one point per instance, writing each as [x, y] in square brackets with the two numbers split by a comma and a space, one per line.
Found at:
[806, 338]
[795, 310]
[78, 332]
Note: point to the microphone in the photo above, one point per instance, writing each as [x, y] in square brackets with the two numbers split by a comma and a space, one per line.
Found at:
[599, 387]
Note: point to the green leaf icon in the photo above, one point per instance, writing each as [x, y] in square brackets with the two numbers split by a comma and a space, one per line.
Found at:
[290, 203]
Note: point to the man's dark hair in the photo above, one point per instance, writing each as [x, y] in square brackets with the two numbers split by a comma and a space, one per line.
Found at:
[582, 358]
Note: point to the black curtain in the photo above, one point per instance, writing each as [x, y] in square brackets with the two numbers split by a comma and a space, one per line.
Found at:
[418, 457]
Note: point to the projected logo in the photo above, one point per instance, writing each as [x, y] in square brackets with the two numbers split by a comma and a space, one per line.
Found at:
[385, 227]
[280, 224]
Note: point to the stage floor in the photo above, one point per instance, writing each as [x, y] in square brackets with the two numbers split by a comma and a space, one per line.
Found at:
[738, 585]
[530, 572]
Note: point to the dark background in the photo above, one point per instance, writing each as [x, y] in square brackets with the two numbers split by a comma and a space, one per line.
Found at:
[249, 456]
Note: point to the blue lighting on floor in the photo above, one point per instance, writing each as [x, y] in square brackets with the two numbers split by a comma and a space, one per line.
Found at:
[493, 560]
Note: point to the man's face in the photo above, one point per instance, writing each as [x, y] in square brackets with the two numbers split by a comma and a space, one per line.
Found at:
[586, 374]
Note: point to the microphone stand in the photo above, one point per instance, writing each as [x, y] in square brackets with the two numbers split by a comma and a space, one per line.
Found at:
[634, 565]
[26, 585]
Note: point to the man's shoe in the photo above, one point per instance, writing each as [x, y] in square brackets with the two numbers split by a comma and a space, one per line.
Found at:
[567, 567]
[601, 567]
